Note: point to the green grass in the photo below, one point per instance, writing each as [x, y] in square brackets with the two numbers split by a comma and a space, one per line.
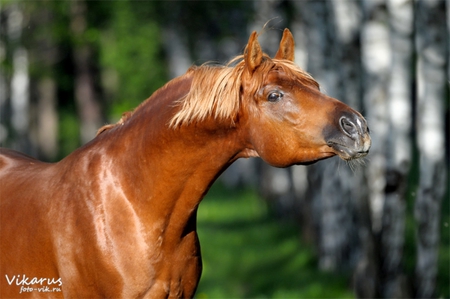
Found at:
[248, 254]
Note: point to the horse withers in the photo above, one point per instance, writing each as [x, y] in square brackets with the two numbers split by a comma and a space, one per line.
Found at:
[117, 217]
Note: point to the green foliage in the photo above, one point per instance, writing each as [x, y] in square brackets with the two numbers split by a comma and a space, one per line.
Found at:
[248, 254]
[69, 139]
[126, 61]
[130, 56]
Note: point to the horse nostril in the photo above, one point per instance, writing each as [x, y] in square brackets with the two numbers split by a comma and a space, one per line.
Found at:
[348, 127]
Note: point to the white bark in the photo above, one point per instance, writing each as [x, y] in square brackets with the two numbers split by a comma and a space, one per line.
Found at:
[376, 58]
[400, 83]
[47, 122]
[332, 29]
[3, 87]
[20, 81]
[317, 202]
[177, 52]
[432, 49]
[89, 110]
[398, 155]
[20, 91]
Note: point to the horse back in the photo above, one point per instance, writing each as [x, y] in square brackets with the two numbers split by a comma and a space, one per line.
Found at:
[25, 236]
[19, 173]
[53, 225]
[8, 155]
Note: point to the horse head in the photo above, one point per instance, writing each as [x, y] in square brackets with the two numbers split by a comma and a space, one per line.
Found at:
[289, 120]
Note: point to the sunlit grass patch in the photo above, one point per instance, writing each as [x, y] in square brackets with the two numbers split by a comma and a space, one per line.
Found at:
[248, 254]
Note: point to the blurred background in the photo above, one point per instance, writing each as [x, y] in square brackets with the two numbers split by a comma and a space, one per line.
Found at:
[379, 228]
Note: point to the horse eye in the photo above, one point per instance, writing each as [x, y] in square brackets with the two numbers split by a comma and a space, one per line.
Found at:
[274, 96]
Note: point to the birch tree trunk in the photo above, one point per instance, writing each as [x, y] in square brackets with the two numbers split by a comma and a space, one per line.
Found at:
[313, 15]
[432, 51]
[177, 53]
[346, 21]
[85, 96]
[44, 87]
[398, 156]
[3, 84]
[330, 38]
[376, 58]
[20, 81]
[47, 122]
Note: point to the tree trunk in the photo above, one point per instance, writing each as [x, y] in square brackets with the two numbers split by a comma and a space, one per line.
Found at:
[313, 15]
[45, 54]
[3, 83]
[376, 61]
[333, 197]
[376, 58]
[178, 55]
[398, 156]
[87, 103]
[432, 51]
[20, 81]
[47, 122]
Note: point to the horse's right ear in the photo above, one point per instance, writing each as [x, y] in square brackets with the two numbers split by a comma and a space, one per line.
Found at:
[287, 46]
[253, 53]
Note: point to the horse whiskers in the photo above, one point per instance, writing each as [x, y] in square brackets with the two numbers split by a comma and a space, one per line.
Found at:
[354, 164]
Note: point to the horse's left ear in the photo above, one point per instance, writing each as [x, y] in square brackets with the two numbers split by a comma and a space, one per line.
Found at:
[253, 53]
[287, 46]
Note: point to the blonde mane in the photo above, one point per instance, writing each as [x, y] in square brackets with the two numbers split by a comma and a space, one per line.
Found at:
[215, 90]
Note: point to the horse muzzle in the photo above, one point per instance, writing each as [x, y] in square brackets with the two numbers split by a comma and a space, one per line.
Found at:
[350, 138]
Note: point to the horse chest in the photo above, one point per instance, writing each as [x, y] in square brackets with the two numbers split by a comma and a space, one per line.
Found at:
[185, 267]
[130, 262]
[163, 271]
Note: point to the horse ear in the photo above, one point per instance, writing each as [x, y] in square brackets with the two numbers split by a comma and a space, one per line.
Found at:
[287, 46]
[253, 53]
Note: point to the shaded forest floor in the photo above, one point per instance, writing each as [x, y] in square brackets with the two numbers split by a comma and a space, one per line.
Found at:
[249, 254]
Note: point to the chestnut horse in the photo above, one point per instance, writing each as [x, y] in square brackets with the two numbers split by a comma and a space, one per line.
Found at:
[117, 217]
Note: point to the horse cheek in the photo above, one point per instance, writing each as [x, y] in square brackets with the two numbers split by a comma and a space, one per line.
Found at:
[270, 145]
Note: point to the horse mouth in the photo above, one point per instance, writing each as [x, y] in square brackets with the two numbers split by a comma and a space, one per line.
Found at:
[351, 140]
[350, 153]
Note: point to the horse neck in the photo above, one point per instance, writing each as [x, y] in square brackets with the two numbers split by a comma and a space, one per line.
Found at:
[165, 172]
